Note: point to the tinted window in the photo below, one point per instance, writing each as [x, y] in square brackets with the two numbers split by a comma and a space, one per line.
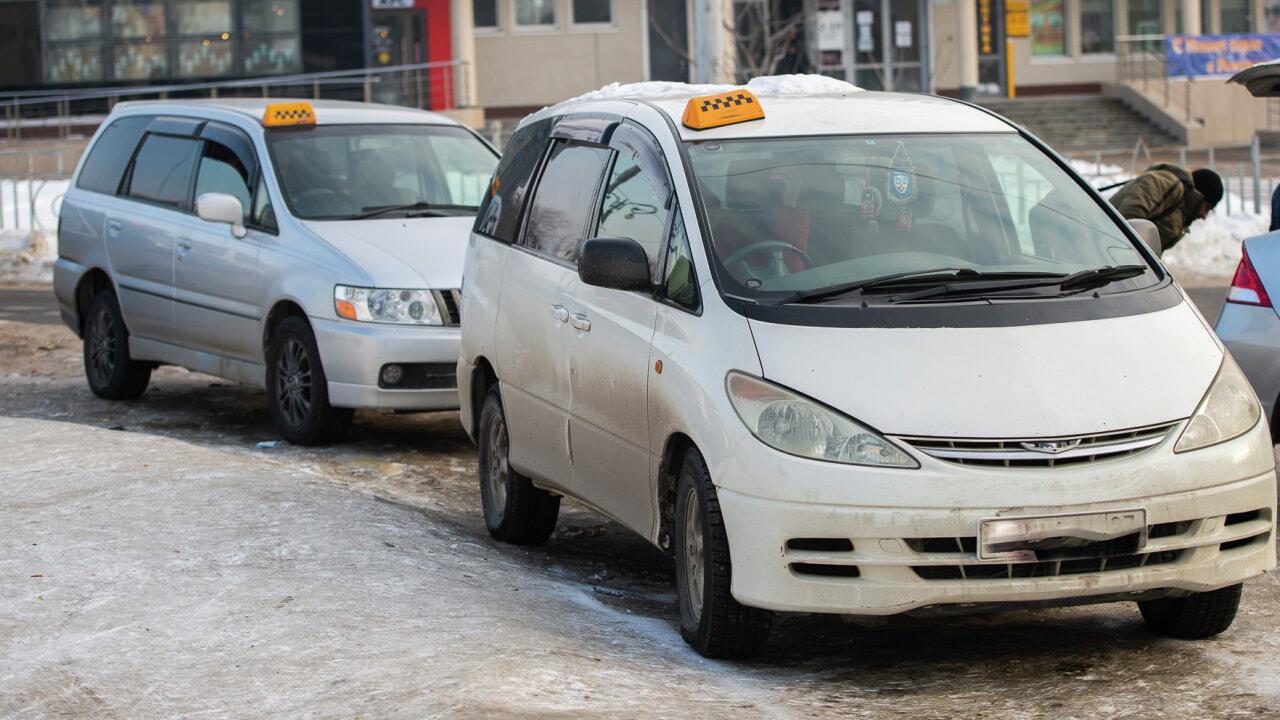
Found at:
[634, 207]
[110, 155]
[162, 171]
[222, 172]
[499, 215]
[564, 198]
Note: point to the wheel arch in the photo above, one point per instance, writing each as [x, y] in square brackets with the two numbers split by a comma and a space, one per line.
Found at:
[483, 376]
[94, 281]
[281, 310]
[668, 477]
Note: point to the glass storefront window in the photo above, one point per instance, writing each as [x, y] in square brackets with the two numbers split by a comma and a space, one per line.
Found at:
[271, 56]
[1144, 17]
[1048, 28]
[592, 11]
[204, 17]
[1235, 16]
[485, 13]
[140, 60]
[73, 20]
[270, 16]
[137, 19]
[73, 63]
[204, 58]
[1097, 26]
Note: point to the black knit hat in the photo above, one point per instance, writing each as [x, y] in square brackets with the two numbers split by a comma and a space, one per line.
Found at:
[1209, 185]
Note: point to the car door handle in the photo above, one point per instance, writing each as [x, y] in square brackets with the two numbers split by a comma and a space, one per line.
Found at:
[581, 322]
[559, 312]
[184, 246]
[114, 227]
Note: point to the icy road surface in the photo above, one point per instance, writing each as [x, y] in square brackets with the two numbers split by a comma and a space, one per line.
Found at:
[171, 568]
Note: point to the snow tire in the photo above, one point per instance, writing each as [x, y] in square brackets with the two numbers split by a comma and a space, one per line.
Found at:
[1195, 617]
[515, 511]
[297, 390]
[111, 373]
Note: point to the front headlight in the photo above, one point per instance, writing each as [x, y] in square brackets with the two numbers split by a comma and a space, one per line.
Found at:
[406, 307]
[1228, 410]
[787, 421]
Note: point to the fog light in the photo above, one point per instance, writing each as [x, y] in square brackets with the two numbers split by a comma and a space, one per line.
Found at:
[392, 374]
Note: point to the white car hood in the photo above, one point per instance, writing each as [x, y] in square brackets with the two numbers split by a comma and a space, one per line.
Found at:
[1006, 382]
[402, 252]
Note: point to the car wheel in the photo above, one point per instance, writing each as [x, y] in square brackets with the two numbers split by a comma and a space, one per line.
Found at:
[297, 390]
[715, 624]
[514, 510]
[111, 373]
[1194, 617]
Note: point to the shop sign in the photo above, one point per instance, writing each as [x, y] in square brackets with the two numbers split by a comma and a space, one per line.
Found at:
[1017, 20]
[984, 28]
[830, 30]
[1207, 55]
[392, 4]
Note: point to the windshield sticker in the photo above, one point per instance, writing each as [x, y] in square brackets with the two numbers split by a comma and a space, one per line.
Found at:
[902, 185]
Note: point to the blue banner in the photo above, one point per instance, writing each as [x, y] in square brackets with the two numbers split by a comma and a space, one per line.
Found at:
[1210, 55]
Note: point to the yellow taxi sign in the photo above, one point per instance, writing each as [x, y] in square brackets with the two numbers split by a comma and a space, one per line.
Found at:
[726, 108]
[298, 113]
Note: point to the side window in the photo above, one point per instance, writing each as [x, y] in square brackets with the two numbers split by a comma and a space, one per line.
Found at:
[634, 208]
[222, 172]
[680, 284]
[162, 170]
[499, 215]
[263, 214]
[564, 197]
[110, 155]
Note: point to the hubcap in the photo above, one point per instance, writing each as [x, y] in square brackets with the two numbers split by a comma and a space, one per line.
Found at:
[102, 345]
[693, 555]
[293, 382]
[496, 477]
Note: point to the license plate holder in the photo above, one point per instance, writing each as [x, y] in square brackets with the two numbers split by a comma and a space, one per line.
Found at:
[1071, 536]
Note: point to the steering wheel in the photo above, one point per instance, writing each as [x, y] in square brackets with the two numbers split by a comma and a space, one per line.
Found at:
[779, 268]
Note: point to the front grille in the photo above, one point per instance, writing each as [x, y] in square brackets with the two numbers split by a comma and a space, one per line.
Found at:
[824, 570]
[1042, 452]
[1047, 568]
[450, 302]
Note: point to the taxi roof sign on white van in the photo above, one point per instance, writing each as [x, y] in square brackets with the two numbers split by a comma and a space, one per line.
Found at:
[725, 108]
[281, 114]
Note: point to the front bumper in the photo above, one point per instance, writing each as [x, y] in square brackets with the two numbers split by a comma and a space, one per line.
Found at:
[354, 353]
[1252, 334]
[885, 550]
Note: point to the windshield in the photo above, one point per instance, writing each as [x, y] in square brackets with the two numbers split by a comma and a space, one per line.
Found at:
[796, 217]
[337, 172]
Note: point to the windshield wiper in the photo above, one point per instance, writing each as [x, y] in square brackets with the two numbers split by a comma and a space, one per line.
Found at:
[826, 293]
[1073, 282]
[423, 208]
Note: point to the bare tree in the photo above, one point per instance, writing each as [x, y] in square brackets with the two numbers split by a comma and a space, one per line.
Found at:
[762, 32]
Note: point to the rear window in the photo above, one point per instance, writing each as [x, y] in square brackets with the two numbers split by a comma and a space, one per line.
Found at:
[110, 155]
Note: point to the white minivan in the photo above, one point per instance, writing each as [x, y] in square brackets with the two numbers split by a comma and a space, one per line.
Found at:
[851, 352]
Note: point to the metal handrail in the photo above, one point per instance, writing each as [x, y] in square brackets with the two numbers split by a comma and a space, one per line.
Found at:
[1136, 63]
[32, 97]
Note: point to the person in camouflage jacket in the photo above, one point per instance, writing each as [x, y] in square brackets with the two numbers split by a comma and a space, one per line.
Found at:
[1171, 197]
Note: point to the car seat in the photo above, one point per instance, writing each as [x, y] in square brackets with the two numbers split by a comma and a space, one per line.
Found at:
[372, 181]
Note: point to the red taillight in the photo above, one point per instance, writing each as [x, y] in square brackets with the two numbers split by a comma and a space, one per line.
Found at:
[1246, 288]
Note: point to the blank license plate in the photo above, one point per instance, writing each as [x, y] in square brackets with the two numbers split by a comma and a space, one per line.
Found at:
[1062, 537]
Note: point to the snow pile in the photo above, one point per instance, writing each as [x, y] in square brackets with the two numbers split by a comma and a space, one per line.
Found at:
[764, 85]
[28, 241]
[1211, 248]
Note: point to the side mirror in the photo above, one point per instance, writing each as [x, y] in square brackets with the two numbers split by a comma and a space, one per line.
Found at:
[220, 207]
[1148, 232]
[617, 263]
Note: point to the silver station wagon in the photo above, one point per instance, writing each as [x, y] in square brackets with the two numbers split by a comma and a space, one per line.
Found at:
[311, 249]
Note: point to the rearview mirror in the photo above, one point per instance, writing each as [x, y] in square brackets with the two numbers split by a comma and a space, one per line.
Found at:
[1148, 232]
[617, 263]
[220, 207]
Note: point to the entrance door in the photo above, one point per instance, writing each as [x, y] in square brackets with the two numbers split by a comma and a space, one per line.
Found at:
[885, 49]
[400, 38]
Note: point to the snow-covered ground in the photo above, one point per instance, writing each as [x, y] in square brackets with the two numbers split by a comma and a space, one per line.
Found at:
[28, 241]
